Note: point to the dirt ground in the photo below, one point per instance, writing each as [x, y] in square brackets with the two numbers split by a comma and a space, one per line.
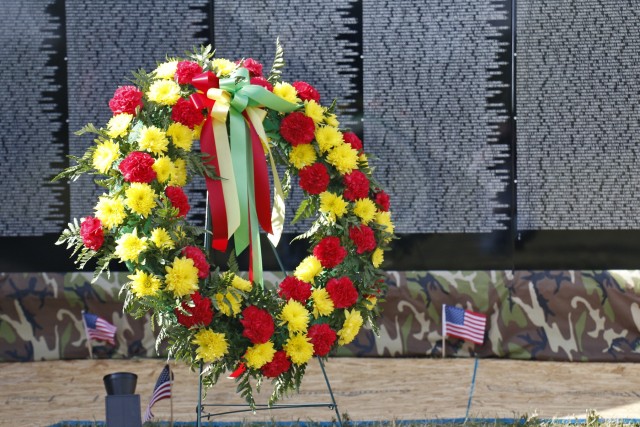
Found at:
[44, 393]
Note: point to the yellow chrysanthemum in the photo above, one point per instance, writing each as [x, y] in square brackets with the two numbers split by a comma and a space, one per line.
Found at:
[140, 198]
[308, 269]
[211, 346]
[197, 130]
[332, 205]
[328, 137]
[118, 125]
[105, 154]
[343, 158]
[295, 316]
[259, 354]
[365, 209]
[299, 349]
[181, 135]
[241, 284]
[223, 67]
[286, 92]
[110, 211]
[144, 284]
[129, 246]
[322, 303]
[153, 139]
[164, 92]
[302, 155]
[179, 173]
[377, 257]
[350, 327]
[163, 167]
[229, 303]
[370, 302]
[166, 70]
[314, 111]
[384, 219]
[182, 277]
[161, 238]
[331, 120]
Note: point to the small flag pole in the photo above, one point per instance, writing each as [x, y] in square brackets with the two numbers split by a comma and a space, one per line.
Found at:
[170, 394]
[86, 332]
[444, 330]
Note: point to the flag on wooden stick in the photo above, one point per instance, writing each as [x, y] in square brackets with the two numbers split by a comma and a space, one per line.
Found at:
[465, 324]
[162, 390]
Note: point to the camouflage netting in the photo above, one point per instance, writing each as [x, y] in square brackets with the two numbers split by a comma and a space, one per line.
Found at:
[543, 315]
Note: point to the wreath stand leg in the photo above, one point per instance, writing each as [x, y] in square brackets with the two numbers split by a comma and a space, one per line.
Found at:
[260, 407]
[239, 408]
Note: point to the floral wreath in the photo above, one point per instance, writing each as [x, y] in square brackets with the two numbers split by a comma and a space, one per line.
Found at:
[143, 157]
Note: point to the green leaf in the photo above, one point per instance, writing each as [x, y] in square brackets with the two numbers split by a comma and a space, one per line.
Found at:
[232, 262]
[203, 56]
[306, 209]
[307, 234]
[83, 165]
[90, 128]
[142, 79]
[275, 74]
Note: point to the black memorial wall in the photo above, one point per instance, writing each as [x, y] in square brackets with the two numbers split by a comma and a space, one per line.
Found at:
[505, 131]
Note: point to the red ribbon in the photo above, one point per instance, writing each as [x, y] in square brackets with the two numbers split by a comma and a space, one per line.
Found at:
[239, 371]
[203, 82]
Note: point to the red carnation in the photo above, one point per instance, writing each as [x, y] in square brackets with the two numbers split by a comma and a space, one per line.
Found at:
[342, 292]
[293, 288]
[314, 179]
[382, 200]
[363, 238]
[322, 337]
[138, 167]
[186, 113]
[258, 324]
[357, 185]
[186, 70]
[254, 67]
[297, 128]
[199, 260]
[178, 200]
[279, 365]
[200, 314]
[92, 233]
[306, 92]
[353, 140]
[261, 81]
[125, 100]
[329, 252]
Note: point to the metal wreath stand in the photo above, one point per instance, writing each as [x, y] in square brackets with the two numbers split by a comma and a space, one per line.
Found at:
[239, 408]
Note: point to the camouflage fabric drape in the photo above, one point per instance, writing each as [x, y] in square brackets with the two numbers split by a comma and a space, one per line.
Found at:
[542, 315]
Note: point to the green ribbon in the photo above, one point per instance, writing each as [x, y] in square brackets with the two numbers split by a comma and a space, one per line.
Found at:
[243, 95]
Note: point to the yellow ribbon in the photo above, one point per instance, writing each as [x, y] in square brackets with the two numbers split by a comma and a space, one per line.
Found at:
[219, 113]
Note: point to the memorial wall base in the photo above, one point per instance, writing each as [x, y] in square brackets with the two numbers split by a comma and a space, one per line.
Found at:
[564, 315]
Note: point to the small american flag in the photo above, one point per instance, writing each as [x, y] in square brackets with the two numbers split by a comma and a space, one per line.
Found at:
[463, 324]
[98, 328]
[162, 390]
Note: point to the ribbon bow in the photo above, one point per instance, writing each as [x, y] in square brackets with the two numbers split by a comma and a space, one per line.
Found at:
[238, 156]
